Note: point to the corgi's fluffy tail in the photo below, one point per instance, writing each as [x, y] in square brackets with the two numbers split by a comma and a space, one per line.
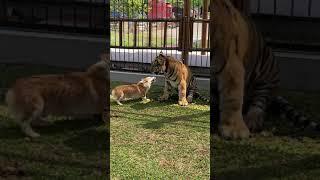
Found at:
[112, 98]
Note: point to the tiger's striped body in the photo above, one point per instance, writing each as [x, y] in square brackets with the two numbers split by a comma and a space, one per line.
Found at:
[177, 75]
[246, 72]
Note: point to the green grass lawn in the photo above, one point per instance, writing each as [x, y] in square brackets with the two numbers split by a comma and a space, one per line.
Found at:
[142, 39]
[160, 140]
[284, 154]
[68, 149]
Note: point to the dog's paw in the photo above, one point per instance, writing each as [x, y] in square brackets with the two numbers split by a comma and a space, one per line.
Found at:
[119, 103]
[144, 101]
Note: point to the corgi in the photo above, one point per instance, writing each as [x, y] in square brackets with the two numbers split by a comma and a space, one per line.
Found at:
[132, 91]
[31, 99]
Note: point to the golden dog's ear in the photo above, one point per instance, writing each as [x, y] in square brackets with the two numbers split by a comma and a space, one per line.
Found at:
[100, 69]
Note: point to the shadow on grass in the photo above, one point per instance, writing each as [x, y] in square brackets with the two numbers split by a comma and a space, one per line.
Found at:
[290, 164]
[169, 120]
[156, 103]
[58, 127]
[89, 141]
[79, 134]
[9, 129]
[162, 120]
[88, 167]
[62, 126]
[152, 104]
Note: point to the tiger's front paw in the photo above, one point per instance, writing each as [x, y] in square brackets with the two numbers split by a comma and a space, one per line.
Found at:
[183, 102]
[235, 129]
[164, 97]
[254, 118]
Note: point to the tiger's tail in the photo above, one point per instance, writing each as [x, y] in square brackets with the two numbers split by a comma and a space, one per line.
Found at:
[298, 118]
[201, 97]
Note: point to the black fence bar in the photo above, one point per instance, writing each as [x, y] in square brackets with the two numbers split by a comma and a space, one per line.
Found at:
[90, 14]
[292, 7]
[75, 16]
[3, 10]
[153, 30]
[274, 7]
[309, 8]
[60, 3]
[150, 34]
[120, 33]
[145, 67]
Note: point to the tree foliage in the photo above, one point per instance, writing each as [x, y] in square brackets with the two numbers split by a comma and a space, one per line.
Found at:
[137, 8]
[179, 3]
[129, 8]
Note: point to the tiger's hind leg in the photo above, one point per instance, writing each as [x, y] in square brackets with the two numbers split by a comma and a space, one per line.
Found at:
[191, 90]
[254, 118]
[260, 94]
[167, 91]
[256, 112]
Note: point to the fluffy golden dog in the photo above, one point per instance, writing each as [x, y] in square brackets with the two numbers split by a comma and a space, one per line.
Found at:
[32, 99]
[132, 91]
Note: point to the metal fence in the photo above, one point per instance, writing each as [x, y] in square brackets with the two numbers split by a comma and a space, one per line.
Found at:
[141, 29]
[297, 23]
[290, 8]
[74, 16]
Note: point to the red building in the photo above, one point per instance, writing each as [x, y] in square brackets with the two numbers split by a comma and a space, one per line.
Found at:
[159, 9]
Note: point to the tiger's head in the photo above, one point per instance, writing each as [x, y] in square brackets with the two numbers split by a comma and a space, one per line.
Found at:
[158, 65]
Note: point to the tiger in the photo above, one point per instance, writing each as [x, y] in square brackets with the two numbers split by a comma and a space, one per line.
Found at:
[177, 75]
[245, 76]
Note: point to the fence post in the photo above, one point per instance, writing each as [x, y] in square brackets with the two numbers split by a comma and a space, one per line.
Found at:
[186, 31]
[205, 9]
[3, 10]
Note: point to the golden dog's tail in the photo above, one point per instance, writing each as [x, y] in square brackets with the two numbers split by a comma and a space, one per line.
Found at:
[112, 98]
